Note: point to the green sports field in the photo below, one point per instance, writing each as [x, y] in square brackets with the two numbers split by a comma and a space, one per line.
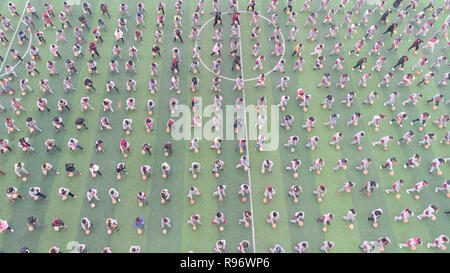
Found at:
[181, 238]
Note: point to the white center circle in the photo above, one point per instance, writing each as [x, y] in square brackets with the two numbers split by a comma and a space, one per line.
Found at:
[246, 80]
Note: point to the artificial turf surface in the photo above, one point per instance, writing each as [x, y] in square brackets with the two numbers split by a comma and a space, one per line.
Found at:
[181, 237]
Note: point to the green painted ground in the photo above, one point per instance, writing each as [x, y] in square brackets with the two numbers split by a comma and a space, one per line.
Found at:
[181, 238]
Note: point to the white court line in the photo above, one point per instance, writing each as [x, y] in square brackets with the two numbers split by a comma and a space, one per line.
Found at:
[229, 79]
[12, 40]
[246, 137]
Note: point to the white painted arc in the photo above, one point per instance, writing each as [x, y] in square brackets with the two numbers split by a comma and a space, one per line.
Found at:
[12, 39]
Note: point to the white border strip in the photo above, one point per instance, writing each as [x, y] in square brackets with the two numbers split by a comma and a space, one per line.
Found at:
[246, 137]
[12, 40]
